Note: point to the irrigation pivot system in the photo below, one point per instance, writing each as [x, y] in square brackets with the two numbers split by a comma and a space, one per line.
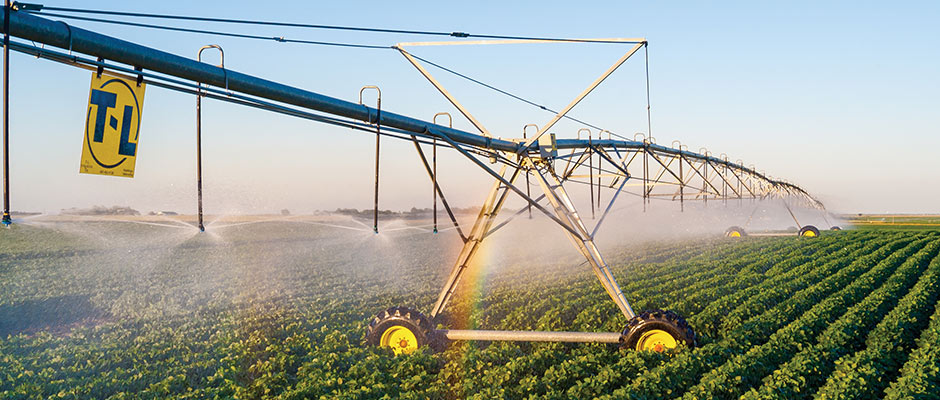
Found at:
[607, 163]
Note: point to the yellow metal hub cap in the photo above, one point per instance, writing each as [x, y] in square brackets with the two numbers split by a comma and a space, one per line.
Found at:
[656, 340]
[400, 339]
[735, 234]
[809, 234]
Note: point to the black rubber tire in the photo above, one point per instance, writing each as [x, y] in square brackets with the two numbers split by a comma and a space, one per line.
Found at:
[730, 231]
[835, 228]
[406, 317]
[807, 229]
[667, 321]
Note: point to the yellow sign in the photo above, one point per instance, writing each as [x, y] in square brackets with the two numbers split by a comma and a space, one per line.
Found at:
[112, 125]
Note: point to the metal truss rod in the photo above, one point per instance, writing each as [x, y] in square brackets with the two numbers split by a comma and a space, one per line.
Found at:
[725, 185]
[511, 217]
[492, 204]
[580, 97]
[609, 206]
[568, 171]
[508, 184]
[666, 168]
[791, 213]
[662, 172]
[437, 189]
[704, 178]
[583, 242]
[603, 154]
[741, 183]
[427, 75]
[531, 336]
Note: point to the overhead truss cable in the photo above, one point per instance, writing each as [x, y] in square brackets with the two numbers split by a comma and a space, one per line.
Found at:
[509, 94]
[30, 7]
[280, 39]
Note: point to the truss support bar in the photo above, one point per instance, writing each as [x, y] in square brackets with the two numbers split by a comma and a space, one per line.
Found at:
[609, 206]
[437, 189]
[505, 182]
[791, 214]
[491, 206]
[704, 177]
[444, 92]
[585, 244]
[725, 183]
[531, 336]
[580, 97]
[512, 217]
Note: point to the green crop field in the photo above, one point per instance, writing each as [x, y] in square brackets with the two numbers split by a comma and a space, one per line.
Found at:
[279, 310]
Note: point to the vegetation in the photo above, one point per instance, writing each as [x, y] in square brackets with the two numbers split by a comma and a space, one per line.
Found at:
[280, 309]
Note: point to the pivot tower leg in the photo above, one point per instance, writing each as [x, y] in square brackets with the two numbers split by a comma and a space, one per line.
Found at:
[492, 205]
[565, 210]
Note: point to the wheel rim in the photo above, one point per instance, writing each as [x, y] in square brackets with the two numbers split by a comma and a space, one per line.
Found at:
[809, 233]
[735, 234]
[400, 339]
[656, 340]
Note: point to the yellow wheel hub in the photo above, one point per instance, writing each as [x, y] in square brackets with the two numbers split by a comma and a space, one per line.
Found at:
[809, 234]
[656, 340]
[400, 339]
[735, 234]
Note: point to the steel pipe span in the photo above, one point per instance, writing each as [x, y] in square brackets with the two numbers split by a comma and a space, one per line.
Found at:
[531, 336]
[62, 35]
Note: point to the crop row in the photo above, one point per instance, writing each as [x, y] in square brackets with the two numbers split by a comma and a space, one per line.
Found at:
[744, 371]
[920, 376]
[809, 368]
[683, 370]
[868, 372]
[725, 313]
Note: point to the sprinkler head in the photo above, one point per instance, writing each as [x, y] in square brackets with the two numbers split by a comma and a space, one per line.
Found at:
[435, 230]
[376, 230]
[7, 221]
[202, 228]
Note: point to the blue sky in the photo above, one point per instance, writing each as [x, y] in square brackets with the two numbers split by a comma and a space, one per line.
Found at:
[840, 98]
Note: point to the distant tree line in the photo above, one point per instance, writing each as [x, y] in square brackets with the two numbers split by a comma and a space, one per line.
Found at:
[413, 213]
[101, 210]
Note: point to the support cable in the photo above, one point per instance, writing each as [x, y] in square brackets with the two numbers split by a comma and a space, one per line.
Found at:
[514, 96]
[218, 33]
[649, 123]
[39, 7]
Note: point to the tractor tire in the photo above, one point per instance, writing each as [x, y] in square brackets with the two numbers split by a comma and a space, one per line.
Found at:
[835, 228]
[657, 330]
[735, 232]
[402, 329]
[808, 231]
